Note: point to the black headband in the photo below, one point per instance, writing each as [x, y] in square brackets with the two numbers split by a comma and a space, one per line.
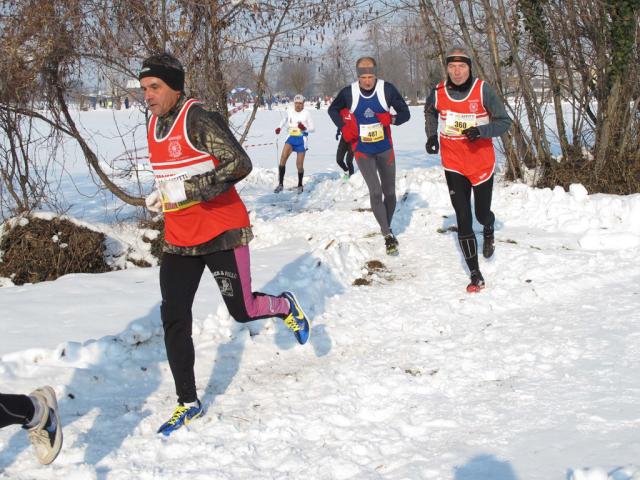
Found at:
[459, 58]
[171, 76]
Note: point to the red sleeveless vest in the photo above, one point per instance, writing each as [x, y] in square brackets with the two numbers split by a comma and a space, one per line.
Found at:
[191, 223]
[475, 160]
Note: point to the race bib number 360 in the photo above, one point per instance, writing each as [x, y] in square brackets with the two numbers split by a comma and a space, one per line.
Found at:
[371, 133]
[457, 122]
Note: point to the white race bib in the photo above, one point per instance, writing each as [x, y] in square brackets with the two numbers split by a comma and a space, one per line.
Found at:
[172, 188]
[173, 194]
[371, 133]
[457, 122]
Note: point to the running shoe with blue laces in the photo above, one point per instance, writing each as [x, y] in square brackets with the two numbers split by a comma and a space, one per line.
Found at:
[297, 320]
[46, 436]
[182, 416]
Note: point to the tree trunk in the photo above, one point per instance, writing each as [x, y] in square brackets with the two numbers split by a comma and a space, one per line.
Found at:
[263, 70]
[427, 12]
[534, 116]
[514, 170]
[535, 22]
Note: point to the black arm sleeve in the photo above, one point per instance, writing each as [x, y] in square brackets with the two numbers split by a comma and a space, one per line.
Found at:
[395, 100]
[499, 121]
[431, 115]
[342, 100]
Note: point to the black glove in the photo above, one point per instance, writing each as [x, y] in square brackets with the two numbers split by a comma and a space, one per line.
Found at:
[338, 135]
[432, 145]
[471, 133]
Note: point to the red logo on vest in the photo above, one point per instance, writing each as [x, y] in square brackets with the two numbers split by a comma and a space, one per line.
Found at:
[475, 160]
[175, 150]
[205, 220]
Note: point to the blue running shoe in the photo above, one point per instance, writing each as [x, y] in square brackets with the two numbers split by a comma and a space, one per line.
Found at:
[181, 416]
[297, 320]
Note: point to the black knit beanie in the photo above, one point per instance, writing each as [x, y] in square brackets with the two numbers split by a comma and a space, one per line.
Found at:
[166, 67]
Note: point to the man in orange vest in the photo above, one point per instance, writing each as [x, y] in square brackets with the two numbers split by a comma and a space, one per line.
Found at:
[196, 162]
[468, 113]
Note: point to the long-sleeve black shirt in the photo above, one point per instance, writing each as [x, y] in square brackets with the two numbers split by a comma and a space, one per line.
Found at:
[391, 95]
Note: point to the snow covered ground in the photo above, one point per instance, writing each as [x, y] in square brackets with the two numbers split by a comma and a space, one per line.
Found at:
[408, 377]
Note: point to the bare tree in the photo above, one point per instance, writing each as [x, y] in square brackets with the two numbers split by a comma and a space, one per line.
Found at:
[295, 75]
[49, 45]
[298, 22]
[336, 65]
[24, 171]
[575, 62]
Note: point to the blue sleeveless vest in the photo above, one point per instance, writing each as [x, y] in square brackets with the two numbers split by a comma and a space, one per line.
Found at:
[372, 137]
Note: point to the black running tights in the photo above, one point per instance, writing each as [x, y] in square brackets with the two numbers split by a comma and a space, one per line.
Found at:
[15, 409]
[460, 192]
[344, 149]
[179, 280]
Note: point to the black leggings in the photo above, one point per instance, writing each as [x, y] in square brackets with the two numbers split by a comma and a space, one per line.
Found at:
[15, 409]
[460, 192]
[345, 149]
[179, 280]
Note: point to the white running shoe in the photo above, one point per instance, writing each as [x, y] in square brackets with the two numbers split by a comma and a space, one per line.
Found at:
[46, 437]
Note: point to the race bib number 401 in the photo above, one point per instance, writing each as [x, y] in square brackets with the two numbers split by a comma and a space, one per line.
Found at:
[457, 122]
[371, 133]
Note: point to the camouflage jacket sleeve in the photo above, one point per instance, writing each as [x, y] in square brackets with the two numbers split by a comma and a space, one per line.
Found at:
[208, 132]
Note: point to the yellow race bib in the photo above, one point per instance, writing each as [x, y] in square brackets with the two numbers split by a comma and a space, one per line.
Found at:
[457, 122]
[168, 206]
[371, 133]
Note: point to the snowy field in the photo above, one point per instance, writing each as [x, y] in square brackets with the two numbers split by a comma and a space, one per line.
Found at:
[409, 377]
